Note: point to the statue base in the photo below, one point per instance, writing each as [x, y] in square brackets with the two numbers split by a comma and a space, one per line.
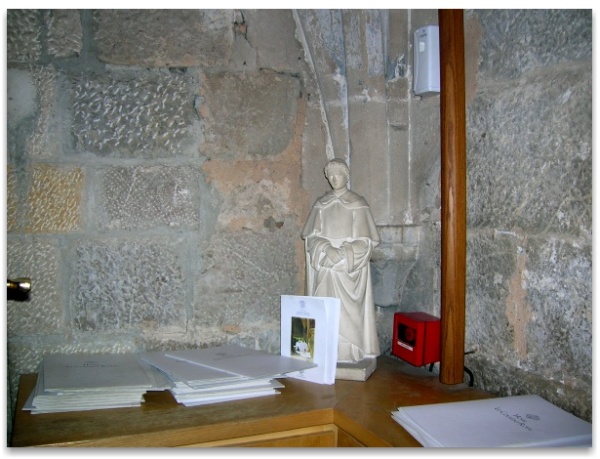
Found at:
[356, 371]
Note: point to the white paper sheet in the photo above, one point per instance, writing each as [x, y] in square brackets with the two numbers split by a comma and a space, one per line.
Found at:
[517, 421]
[241, 361]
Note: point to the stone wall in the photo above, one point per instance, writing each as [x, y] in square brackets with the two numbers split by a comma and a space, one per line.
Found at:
[529, 159]
[161, 165]
[154, 179]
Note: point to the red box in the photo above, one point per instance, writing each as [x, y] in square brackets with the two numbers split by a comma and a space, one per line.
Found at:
[416, 337]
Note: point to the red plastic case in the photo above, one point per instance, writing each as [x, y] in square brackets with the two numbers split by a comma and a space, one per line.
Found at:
[416, 337]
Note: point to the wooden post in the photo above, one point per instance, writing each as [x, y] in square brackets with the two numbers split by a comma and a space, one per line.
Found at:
[453, 178]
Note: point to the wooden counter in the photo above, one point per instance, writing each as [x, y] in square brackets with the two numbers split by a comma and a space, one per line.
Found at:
[348, 413]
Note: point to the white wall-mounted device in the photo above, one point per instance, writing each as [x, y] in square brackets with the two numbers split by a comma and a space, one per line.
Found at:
[427, 61]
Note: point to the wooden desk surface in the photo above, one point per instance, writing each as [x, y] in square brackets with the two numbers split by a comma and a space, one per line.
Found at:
[361, 409]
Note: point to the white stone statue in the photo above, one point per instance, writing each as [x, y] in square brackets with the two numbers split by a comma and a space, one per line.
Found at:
[339, 236]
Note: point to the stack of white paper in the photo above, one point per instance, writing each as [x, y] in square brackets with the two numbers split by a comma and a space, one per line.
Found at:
[217, 374]
[310, 329]
[74, 382]
[517, 421]
[188, 396]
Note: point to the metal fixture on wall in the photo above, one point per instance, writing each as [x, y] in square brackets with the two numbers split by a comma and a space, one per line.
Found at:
[18, 289]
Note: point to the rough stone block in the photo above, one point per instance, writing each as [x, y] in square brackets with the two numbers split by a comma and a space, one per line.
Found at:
[491, 263]
[497, 377]
[43, 313]
[240, 284]
[536, 176]
[125, 285]
[141, 115]
[259, 207]
[143, 197]
[12, 200]
[530, 295]
[65, 34]
[23, 29]
[54, 199]
[559, 293]
[268, 32]
[164, 38]
[253, 114]
[517, 41]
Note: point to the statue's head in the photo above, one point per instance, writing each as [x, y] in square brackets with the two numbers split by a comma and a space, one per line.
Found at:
[337, 174]
[337, 166]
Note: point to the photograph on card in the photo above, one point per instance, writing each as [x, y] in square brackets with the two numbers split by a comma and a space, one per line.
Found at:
[303, 338]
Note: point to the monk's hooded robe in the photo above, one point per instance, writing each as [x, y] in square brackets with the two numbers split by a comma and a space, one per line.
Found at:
[344, 222]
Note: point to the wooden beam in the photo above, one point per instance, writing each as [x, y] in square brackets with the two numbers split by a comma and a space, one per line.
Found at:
[453, 178]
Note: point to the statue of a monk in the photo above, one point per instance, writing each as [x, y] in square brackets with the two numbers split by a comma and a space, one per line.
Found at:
[339, 236]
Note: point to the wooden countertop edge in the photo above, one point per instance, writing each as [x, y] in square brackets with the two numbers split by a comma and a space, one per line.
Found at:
[371, 425]
[208, 433]
[367, 437]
